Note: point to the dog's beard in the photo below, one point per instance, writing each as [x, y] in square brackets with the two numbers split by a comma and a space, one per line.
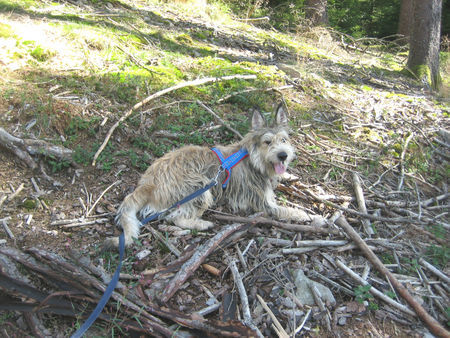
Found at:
[280, 168]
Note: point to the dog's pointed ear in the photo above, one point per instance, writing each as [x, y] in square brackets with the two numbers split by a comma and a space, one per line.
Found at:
[258, 120]
[281, 116]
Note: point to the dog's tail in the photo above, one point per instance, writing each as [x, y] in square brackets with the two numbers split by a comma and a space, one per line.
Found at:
[127, 215]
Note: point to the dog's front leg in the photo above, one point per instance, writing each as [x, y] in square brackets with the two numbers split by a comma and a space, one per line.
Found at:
[293, 214]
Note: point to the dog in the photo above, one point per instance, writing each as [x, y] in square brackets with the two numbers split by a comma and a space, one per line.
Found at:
[185, 170]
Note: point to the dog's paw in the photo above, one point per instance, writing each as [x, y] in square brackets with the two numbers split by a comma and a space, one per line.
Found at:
[193, 223]
[201, 224]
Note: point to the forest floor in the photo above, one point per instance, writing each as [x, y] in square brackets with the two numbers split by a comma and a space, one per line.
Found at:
[71, 69]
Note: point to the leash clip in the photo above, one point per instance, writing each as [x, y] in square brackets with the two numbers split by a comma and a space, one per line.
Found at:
[219, 171]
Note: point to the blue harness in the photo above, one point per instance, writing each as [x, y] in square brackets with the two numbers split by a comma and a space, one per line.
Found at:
[230, 162]
[226, 164]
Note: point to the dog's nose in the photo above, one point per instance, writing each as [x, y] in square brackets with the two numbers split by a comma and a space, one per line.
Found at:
[282, 156]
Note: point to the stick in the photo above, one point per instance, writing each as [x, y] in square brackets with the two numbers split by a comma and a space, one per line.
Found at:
[243, 295]
[209, 110]
[196, 260]
[278, 328]
[402, 161]
[431, 323]
[101, 195]
[7, 229]
[197, 82]
[267, 221]
[434, 270]
[361, 204]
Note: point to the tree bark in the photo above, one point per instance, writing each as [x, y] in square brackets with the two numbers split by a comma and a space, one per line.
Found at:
[316, 12]
[405, 21]
[423, 58]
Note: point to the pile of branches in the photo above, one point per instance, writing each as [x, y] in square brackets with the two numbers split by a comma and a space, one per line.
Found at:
[270, 294]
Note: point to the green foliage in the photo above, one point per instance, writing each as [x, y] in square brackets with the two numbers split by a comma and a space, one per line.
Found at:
[41, 54]
[361, 18]
[362, 293]
[56, 164]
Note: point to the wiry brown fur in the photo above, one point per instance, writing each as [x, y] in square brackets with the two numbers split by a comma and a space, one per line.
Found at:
[185, 170]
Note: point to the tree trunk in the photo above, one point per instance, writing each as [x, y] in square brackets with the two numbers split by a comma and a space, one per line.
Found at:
[423, 58]
[316, 12]
[405, 21]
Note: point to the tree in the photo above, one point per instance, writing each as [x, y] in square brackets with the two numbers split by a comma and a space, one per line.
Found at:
[316, 12]
[405, 21]
[423, 57]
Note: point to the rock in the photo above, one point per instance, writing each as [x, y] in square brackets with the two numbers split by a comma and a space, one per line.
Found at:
[304, 293]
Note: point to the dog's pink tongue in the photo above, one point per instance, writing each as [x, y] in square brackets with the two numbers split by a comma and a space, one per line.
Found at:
[280, 168]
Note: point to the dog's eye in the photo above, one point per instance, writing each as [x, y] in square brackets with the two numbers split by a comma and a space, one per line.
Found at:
[267, 142]
[283, 140]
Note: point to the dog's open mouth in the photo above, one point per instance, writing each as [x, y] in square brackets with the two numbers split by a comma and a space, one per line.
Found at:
[280, 168]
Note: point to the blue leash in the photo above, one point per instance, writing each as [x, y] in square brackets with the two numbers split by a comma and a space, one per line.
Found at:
[226, 165]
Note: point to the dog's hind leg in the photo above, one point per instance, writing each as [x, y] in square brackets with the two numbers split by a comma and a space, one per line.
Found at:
[127, 214]
[188, 215]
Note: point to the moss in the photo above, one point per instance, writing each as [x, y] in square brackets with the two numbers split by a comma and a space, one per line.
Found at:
[29, 204]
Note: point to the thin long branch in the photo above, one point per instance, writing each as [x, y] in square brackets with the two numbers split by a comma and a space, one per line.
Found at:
[138, 105]
[431, 323]
[267, 221]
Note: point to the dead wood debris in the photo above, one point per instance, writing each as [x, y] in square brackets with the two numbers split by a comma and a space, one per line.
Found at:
[24, 149]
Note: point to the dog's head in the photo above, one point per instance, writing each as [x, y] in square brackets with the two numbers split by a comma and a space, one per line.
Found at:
[268, 146]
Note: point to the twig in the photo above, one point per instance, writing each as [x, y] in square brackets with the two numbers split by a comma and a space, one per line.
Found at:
[197, 82]
[164, 241]
[209, 110]
[12, 196]
[402, 161]
[101, 195]
[361, 203]
[320, 242]
[320, 304]
[277, 326]
[297, 330]
[7, 229]
[431, 323]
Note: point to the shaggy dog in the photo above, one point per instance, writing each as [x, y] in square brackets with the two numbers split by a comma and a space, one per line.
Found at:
[185, 170]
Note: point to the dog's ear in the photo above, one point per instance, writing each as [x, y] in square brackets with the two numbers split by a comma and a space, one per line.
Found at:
[281, 115]
[258, 120]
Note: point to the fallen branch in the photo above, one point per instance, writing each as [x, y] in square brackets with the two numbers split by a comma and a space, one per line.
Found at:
[197, 82]
[267, 221]
[361, 203]
[431, 323]
[248, 320]
[196, 260]
[23, 148]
